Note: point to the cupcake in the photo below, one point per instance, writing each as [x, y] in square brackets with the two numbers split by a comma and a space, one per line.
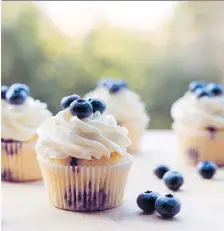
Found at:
[21, 116]
[83, 158]
[199, 123]
[125, 105]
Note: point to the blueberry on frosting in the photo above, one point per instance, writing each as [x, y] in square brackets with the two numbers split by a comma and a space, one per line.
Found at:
[104, 82]
[98, 105]
[17, 93]
[201, 89]
[113, 85]
[193, 86]
[81, 108]
[4, 89]
[20, 87]
[201, 92]
[215, 89]
[66, 101]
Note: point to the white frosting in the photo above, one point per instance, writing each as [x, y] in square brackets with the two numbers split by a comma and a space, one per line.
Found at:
[65, 135]
[199, 112]
[20, 122]
[125, 105]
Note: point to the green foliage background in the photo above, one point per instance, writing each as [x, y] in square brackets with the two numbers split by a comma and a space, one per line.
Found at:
[157, 65]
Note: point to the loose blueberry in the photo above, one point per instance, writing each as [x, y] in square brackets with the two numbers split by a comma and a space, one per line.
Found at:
[173, 180]
[201, 92]
[146, 201]
[193, 86]
[160, 170]
[66, 101]
[17, 94]
[168, 206]
[81, 108]
[207, 169]
[20, 87]
[98, 105]
[4, 89]
[215, 89]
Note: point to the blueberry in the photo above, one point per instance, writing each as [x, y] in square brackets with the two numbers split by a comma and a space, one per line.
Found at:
[215, 89]
[81, 108]
[207, 169]
[193, 86]
[122, 83]
[173, 180]
[98, 105]
[66, 101]
[74, 162]
[167, 206]
[17, 93]
[20, 87]
[4, 89]
[113, 85]
[160, 170]
[201, 92]
[104, 82]
[146, 201]
[114, 88]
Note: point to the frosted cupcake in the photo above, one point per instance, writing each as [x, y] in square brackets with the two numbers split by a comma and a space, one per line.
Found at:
[83, 157]
[21, 115]
[126, 106]
[199, 123]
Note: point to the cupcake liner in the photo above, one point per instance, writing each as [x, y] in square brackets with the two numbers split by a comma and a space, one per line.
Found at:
[19, 162]
[86, 188]
[199, 145]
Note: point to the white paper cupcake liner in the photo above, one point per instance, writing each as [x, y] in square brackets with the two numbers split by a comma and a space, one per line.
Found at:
[19, 162]
[87, 188]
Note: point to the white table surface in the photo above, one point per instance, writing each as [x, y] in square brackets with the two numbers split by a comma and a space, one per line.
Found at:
[25, 206]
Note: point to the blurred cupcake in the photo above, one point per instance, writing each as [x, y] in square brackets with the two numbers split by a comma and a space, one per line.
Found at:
[21, 115]
[126, 106]
[83, 158]
[199, 123]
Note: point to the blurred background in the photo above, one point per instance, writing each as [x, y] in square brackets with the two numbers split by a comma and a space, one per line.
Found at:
[60, 48]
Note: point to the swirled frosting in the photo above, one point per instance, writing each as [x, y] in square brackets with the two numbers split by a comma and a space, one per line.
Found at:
[20, 122]
[199, 112]
[65, 135]
[124, 105]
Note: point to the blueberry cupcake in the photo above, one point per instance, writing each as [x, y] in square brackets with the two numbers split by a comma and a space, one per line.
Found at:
[83, 156]
[21, 116]
[199, 122]
[125, 105]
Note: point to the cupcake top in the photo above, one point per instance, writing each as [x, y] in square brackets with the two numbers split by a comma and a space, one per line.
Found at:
[81, 130]
[202, 106]
[122, 103]
[21, 114]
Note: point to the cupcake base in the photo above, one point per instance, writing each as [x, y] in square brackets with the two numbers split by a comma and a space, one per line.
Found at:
[85, 188]
[201, 145]
[19, 162]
